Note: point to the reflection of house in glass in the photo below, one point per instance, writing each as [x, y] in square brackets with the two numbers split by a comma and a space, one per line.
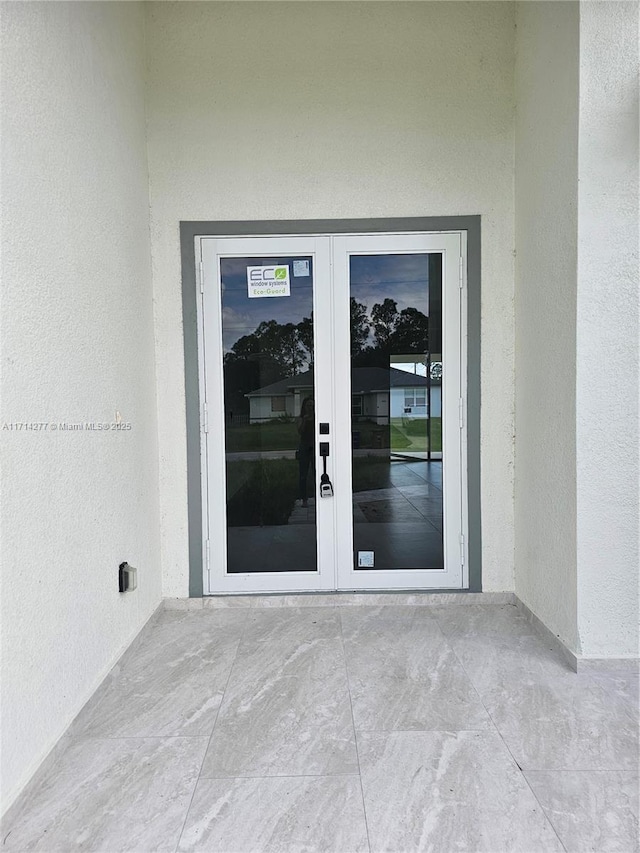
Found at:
[376, 395]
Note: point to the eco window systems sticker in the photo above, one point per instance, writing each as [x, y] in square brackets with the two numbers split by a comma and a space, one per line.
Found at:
[365, 559]
[268, 281]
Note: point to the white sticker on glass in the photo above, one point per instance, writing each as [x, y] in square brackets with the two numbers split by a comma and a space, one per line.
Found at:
[300, 268]
[365, 559]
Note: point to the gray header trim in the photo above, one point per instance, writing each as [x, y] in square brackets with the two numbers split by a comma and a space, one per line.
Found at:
[240, 228]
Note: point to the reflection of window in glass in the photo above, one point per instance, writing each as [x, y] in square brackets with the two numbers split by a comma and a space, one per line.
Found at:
[415, 397]
[356, 406]
[278, 404]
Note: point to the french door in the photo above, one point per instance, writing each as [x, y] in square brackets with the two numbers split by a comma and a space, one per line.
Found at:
[333, 442]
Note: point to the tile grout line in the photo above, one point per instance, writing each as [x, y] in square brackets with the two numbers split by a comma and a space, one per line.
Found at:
[499, 733]
[355, 734]
[204, 755]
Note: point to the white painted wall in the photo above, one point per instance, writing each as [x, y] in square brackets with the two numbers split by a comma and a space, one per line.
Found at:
[607, 331]
[354, 110]
[77, 345]
[547, 60]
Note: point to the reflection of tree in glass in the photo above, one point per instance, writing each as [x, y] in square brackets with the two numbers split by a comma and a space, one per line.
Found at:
[394, 331]
[305, 336]
[359, 327]
[411, 333]
[284, 345]
[277, 350]
[384, 317]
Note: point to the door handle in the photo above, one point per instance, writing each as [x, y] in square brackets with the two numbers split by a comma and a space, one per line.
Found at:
[326, 487]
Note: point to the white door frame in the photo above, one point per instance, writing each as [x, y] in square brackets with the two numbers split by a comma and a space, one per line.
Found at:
[333, 401]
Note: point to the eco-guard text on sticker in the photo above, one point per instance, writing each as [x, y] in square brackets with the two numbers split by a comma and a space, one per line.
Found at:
[268, 281]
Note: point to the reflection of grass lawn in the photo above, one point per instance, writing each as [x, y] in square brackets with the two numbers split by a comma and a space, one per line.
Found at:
[403, 434]
[270, 435]
[261, 492]
[411, 434]
[371, 472]
[408, 434]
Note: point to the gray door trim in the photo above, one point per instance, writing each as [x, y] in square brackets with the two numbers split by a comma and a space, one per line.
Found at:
[190, 230]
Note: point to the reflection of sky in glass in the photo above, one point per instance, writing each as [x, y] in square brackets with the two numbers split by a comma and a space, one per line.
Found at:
[241, 315]
[374, 278]
[415, 367]
[403, 278]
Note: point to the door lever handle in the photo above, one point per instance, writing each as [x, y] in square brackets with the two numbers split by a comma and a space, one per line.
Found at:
[326, 487]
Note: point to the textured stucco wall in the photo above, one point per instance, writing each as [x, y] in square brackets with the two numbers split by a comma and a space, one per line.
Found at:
[77, 345]
[607, 331]
[547, 67]
[353, 110]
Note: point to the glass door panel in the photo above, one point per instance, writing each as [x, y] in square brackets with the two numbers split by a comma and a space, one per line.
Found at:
[264, 392]
[269, 424]
[396, 374]
[398, 326]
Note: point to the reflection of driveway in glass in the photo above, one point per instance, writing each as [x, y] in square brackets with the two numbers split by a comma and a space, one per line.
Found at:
[401, 505]
[303, 514]
[402, 523]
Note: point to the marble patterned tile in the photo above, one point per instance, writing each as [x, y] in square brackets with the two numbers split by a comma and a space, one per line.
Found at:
[184, 639]
[276, 815]
[491, 662]
[566, 723]
[286, 709]
[391, 641]
[111, 796]
[470, 599]
[173, 684]
[182, 603]
[627, 667]
[624, 687]
[497, 645]
[309, 600]
[447, 701]
[224, 601]
[595, 811]
[403, 675]
[482, 621]
[422, 599]
[270, 626]
[445, 791]
[280, 647]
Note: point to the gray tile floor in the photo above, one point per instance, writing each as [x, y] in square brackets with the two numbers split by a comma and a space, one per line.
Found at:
[343, 728]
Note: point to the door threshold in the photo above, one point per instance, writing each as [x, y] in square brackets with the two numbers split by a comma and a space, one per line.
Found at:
[340, 599]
